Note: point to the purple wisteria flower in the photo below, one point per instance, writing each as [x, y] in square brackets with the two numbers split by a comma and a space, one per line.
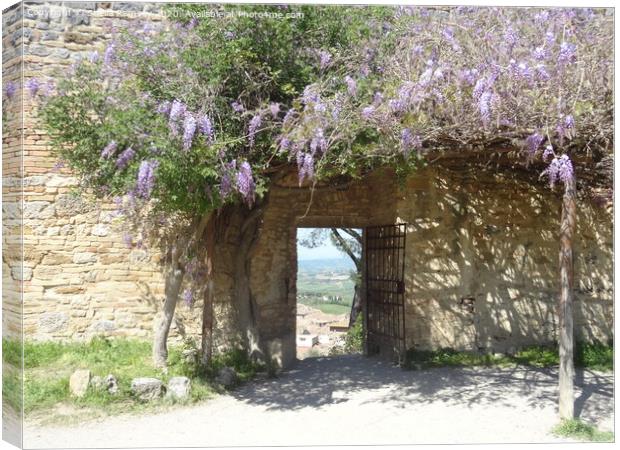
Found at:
[565, 127]
[124, 158]
[484, 106]
[533, 142]
[237, 107]
[33, 86]
[284, 143]
[318, 142]
[409, 141]
[9, 89]
[510, 38]
[325, 59]
[541, 73]
[548, 153]
[226, 187]
[109, 150]
[93, 57]
[560, 169]
[310, 95]
[467, 76]
[164, 107]
[146, 178]
[540, 53]
[245, 183]
[274, 108]
[177, 112]
[188, 297]
[252, 127]
[288, 116]
[305, 166]
[128, 240]
[189, 129]
[206, 127]
[351, 85]
[377, 98]
[567, 53]
[550, 37]
[368, 111]
[108, 55]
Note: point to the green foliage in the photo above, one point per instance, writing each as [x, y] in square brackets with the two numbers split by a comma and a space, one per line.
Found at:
[596, 356]
[577, 429]
[354, 339]
[540, 356]
[449, 357]
[590, 356]
[12, 352]
[50, 364]
[206, 66]
[12, 388]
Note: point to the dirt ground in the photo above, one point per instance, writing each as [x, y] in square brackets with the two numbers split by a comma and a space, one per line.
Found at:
[357, 400]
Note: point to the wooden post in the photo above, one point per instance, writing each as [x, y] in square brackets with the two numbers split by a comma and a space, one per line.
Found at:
[567, 370]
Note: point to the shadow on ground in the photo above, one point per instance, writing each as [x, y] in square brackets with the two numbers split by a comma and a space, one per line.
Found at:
[315, 382]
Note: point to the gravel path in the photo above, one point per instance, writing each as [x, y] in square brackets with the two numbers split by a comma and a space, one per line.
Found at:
[356, 400]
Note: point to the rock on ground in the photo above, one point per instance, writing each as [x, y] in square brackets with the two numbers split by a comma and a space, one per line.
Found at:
[179, 388]
[79, 381]
[147, 388]
[227, 377]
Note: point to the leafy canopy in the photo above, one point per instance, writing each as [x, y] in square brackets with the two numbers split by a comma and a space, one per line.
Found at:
[186, 116]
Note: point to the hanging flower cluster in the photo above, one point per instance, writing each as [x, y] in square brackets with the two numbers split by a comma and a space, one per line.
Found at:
[181, 118]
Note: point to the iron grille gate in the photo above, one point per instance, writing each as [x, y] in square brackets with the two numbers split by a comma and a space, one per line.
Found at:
[385, 290]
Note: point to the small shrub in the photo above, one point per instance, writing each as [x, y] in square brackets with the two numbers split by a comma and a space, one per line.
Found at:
[577, 429]
[354, 338]
[539, 356]
[596, 356]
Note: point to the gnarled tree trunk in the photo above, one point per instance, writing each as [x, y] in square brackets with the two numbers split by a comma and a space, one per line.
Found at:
[173, 280]
[207, 310]
[567, 370]
[246, 308]
[356, 306]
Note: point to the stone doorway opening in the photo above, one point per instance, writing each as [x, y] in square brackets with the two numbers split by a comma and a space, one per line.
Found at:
[328, 303]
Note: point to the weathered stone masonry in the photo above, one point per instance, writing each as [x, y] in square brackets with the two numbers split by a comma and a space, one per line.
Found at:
[481, 256]
[79, 277]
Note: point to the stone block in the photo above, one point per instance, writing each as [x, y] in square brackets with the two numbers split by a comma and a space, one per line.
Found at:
[79, 382]
[50, 322]
[84, 257]
[178, 388]
[147, 388]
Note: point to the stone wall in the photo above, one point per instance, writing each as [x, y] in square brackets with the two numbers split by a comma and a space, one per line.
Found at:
[482, 262]
[80, 277]
[12, 196]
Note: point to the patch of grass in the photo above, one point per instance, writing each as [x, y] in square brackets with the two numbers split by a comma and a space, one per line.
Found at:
[596, 356]
[331, 308]
[590, 356]
[449, 357]
[538, 356]
[12, 387]
[12, 352]
[50, 364]
[577, 429]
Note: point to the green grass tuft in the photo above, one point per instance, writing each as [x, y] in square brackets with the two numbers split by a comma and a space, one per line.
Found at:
[577, 429]
[590, 356]
[12, 352]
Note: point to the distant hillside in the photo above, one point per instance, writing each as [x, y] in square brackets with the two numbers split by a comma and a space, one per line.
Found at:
[319, 265]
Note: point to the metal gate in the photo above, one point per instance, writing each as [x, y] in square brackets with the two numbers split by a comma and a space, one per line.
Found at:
[385, 290]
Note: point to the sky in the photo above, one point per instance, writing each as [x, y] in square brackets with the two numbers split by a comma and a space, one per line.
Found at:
[327, 251]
